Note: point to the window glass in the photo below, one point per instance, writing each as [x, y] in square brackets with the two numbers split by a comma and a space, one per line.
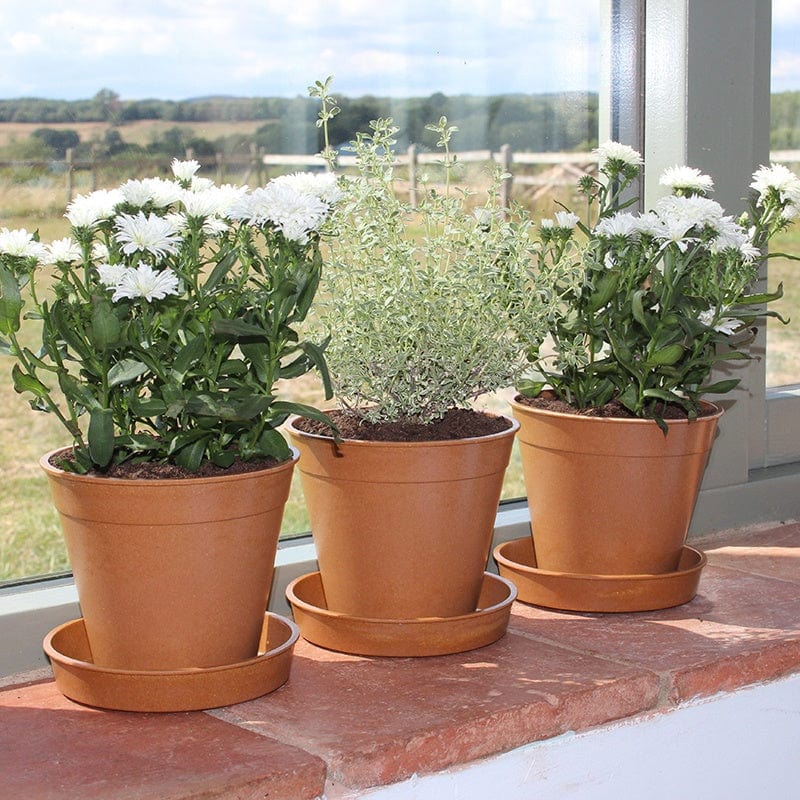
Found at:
[783, 341]
[227, 82]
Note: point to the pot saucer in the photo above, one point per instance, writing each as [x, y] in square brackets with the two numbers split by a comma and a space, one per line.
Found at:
[599, 593]
[169, 690]
[429, 636]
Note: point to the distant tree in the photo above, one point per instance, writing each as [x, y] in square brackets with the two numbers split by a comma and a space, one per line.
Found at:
[108, 106]
[57, 140]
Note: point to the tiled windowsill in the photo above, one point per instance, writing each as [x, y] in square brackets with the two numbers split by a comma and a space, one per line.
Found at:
[342, 723]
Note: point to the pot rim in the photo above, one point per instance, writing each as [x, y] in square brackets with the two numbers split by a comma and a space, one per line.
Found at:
[510, 431]
[718, 412]
[50, 469]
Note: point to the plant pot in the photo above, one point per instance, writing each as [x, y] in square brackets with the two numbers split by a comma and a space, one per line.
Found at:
[611, 496]
[175, 573]
[402, 529]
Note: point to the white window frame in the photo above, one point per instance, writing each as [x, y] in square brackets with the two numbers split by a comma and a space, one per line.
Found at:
[702, 98]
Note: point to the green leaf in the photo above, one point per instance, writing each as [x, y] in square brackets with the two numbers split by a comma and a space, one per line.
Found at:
[237, 329]
[530, 388]
[666, 356]
[220, 271]
[230, 409]
[637, 308]
[317, 355]
[27, 383]
[720, 387]
[665, 395]
[272, 445]
[125, 371]
[147, 407]
[191, 456]
[105, 324]
[604, 290]
[10, 302]
[187, 356]
[759, 299]
[101, 436]
[302, 410]
[76, 392]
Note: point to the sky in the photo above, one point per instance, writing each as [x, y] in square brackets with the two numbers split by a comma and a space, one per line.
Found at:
[178, 49]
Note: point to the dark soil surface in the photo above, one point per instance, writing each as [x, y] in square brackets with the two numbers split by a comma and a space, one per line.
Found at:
[458, 423]
[157, 471]
[548, 402]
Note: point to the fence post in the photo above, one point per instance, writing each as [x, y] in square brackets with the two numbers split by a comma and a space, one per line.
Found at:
[412, 175]
[220, 167]
[93, 168]
[68, 162]
[505, 186]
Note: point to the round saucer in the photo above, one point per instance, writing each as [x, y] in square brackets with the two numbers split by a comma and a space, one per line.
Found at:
[603, 593]
[429, 636]
[169, 690]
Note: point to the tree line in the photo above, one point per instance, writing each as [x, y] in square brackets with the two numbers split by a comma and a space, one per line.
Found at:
[537, 122]
[543, 122]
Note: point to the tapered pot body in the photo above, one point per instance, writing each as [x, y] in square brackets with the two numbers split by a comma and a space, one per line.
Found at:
[402, 529]
[611, 496]
[172, 574]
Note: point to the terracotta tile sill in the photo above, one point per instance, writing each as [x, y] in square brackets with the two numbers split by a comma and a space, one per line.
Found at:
[344, 722]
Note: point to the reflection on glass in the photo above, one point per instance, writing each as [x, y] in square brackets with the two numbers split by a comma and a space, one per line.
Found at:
[228, 84]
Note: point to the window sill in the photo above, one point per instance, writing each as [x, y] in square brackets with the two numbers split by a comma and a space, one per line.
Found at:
[343, 723]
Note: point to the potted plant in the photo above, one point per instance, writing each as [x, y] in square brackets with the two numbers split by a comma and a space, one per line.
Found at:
[614, 433]
[402, 505]
[167, 319]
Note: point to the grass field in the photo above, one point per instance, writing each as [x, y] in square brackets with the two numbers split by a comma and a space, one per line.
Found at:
[30, 538]
[141, 132]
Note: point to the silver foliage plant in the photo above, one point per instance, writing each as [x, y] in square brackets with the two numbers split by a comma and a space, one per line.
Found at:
[418, 299]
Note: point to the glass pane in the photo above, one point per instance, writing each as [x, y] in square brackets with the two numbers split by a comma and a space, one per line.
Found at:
[525, 75]
[783, 341]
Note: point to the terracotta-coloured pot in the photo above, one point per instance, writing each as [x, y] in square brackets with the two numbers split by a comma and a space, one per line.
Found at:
[172, 574]
[611, 496]
[402, 529]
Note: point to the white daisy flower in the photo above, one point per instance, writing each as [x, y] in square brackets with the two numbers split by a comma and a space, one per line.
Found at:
[21, 244]
[110, 275]
[87, 211]
[614, 151]
[295, 214]
[156, 191]
[65, 250]
[201, 184]
[726, 326]
[731, 236]
[200, 204]
[215, 226]
[648, 224]
[178, 221]
[688, 178]
[319, 184]
[184, 170]
[620, 224]
[547, 224]
[145, 282]
[566, 219]
[779, 178]
[99, 251]
[151, 234]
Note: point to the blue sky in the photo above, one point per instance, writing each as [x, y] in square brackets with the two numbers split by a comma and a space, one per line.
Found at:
[176, 49]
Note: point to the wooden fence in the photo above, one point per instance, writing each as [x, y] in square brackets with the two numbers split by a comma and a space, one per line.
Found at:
[558, 168]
